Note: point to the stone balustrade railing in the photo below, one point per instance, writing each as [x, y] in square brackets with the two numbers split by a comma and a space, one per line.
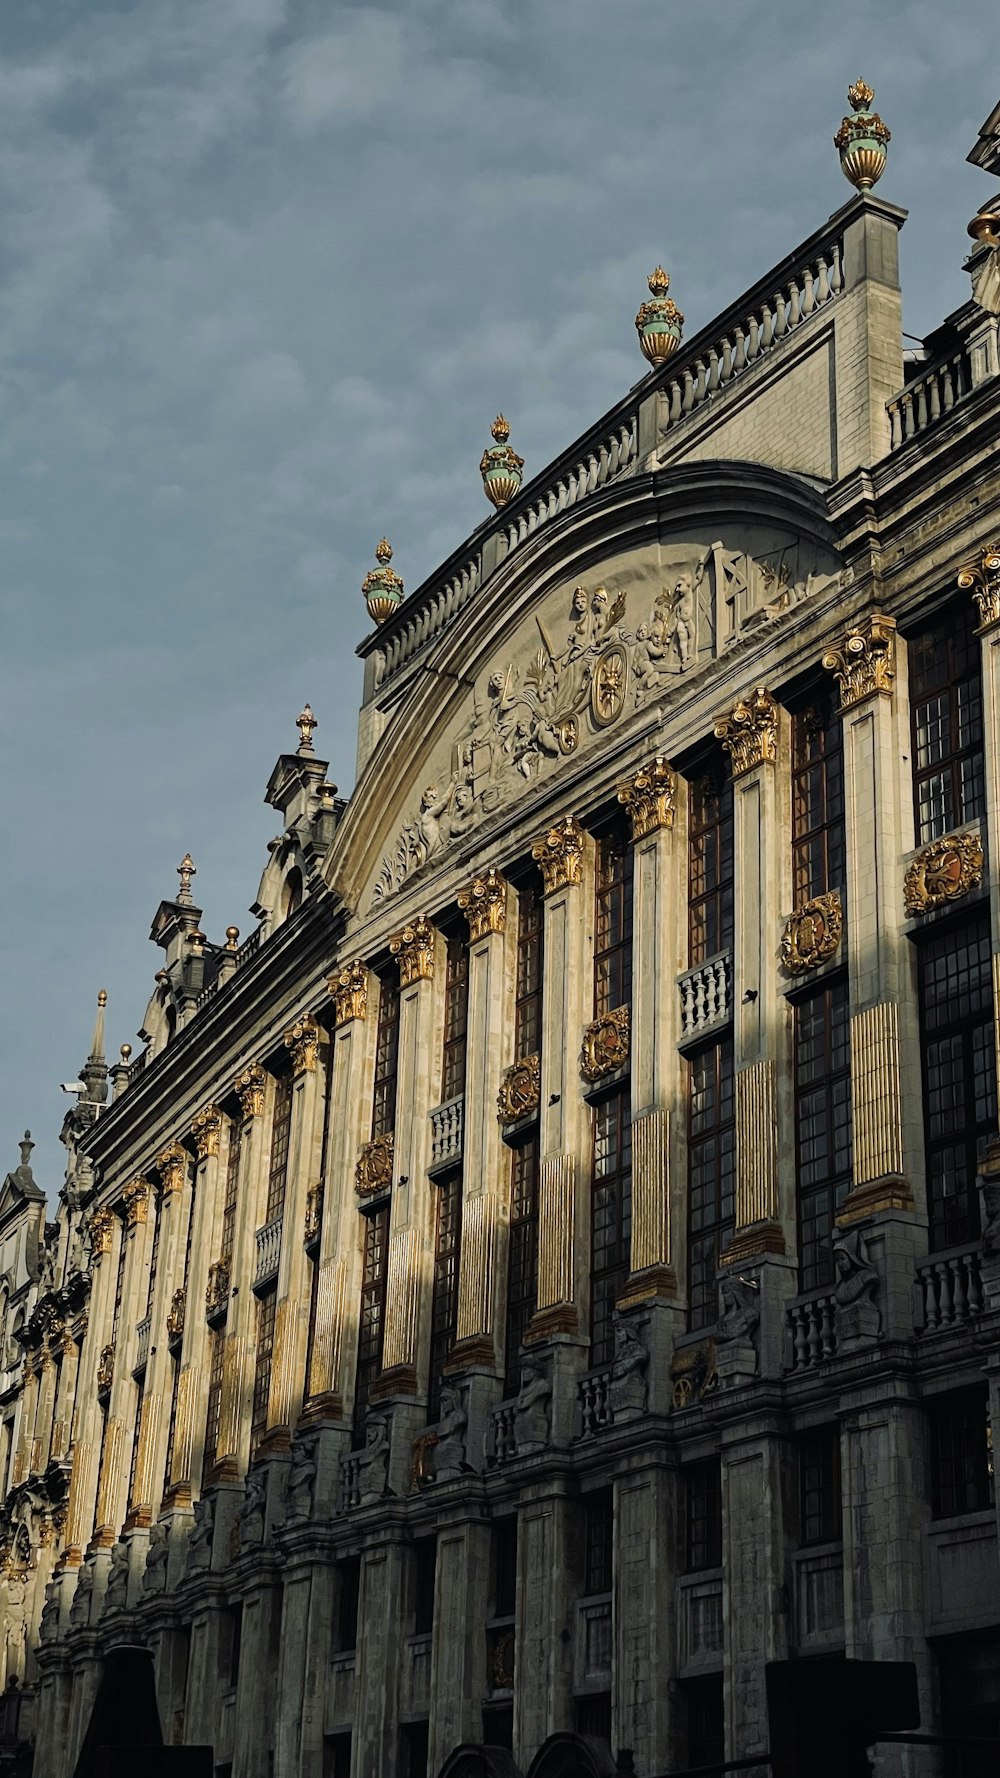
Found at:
[249, 948]
[927, 396]
[447, 1132]
[812, 1329]
[706, 994]
[351, 1468]
[142, 1344]
[443, 601]
[501, 1438]
[592, 1402]
[600, 464]
[268, 1250]
[949, 1292]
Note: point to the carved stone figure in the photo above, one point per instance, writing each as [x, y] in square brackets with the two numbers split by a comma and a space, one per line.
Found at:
[301, 1479]
[251, 1514]
[736, 1331]
[531, 1414]
[154, 1578]
[48, 1627]
[449, 1452]
[116, 1596]
[79, 1611]
[373, 1469]
[990, 1191]
[627, 1388]
[199, 1553]
[858, 1316]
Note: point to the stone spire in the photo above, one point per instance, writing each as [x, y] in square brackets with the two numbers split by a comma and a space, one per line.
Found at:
[95, 1070]
[22, 1179]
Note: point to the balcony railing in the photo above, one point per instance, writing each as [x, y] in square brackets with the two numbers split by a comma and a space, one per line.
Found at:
[249, 947]
[501, 1439]
[268, 1251]
[812, 1329]
[706, 995]
[949, 1290]
[142, 1344]
[593, 1403]
[927, 397]
[447, 1133]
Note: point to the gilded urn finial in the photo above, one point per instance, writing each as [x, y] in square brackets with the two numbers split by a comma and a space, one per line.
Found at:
[382, 586]
[659, 321]
[186, 870]
[306, 724]
[862, 139]
[501, 466]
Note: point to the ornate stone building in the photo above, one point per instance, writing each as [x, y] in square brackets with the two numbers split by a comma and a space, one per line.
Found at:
[553, 1265]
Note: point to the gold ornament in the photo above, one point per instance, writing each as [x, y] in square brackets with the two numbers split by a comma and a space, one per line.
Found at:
[862, 140]
[249, 1088]
[812, 934]
[105, 1369]
[175, 1314]
[206, 1128]
[217, 1288]
[349, 992]
[943, 871]
[749, 733]
[606, 1044]
[520, 1090]
[414, 949]
[135, 1197]
[983, 579]
[382, 587]
[307, 725]
[659, 322]
[303, 1043]
[101, 1227]
[373, 1172]
[865, 662]
[500, 466]
[649, 798]
[559, 855]
[171, 1164]
[484, 904]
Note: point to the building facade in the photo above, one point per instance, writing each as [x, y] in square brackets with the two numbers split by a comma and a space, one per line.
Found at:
[553, 1266]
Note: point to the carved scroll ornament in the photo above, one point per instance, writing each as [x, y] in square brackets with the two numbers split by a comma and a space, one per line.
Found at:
[171, 1165]
[206, 1128]
[101, 1228]
[135, 1197]
[649, 798]
[373, 1172]
[302, 1041]
[249, 1087]
[983, 579]
[812, 934]
[606, 1044]
[749, 732]
[414, 950]
[865, 662]
[484, 904]
[520, 1090]
[559, 855]
[943, 871]
[349, 992]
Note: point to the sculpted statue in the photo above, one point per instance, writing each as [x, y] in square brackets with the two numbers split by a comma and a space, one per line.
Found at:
[116, 1596]
[373, 1470]
[627, 1388]
[251, 1514]
[990, 1191]
[739, 1318]
[449, 1452]
[531, 1413]
[199, 1553]
[301, 1479]
[48, 1627]
[154, 1578]
[857, 1279]
[79, 1611]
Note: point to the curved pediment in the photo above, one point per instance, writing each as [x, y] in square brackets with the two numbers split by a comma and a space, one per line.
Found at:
[566, 643]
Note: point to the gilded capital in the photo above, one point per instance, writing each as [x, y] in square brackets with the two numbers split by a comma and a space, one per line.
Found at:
[373, 1172]
[349, 993]
[249, 1089]
[171, 1164]
[302, 1041]
[101, 1228]
[649, 798]
[484, 904]
[606, 1044]
[559, 855]
[135, 1197]
[749, 732]
[414, 950]
[865, 662]
[206, 1128]
[982, 579]
[943, 871]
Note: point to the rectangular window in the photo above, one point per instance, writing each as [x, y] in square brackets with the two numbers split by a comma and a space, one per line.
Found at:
[424, 1574]
[702, 1515]
[371, 1333]
[592, 1716]
[959, 1072]
[599, 1541]
[414, 1739]
[504, 1566]
[263, 1355]
[710, 861]
[456, 1020]
[530, 959]
[705, 1720]
[822, 1126]
[386, 1056]
[175, 1384]
[961, 1455]
[214, 1407]
[313, 1385]
[281, 1127]
[819, 1486]
[349, 1576]
[116, 1314]
[337, 1755]
[140, 1390]
[969, 1669]
[522, 1254]
[711, 1168]
[610, 1218]
[444, 1288]
[231, 1644]
[154, 1258]
[613, 922]
[231, 1198]
[817, 798]
[946, 714]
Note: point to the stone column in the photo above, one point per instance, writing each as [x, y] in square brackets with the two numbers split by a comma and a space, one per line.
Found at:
[172, 1167]
[755, 1606]
[202, 1201]
[307, 1618]
[982, 578]
[543, 1638]
[459, 1677]
[62, 1427]
[112, 1483]
[105, 1234]
[305, 1159]
[257, 1703]
[237, 1376]
[381, 1623]
[644, 1615]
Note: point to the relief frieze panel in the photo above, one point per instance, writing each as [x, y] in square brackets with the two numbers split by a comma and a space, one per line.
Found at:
[589, 658]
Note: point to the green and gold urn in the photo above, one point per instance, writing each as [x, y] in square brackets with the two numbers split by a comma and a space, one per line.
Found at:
[382, 586]
[501, 466]
[659, 321]
[862, 139]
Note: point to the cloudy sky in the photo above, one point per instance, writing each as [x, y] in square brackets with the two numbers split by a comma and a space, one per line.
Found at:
[268, 268]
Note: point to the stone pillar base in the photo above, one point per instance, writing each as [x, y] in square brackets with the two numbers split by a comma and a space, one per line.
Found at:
[558, 1318]
[750, 1242]
[642, 1287]
[475, 1353]
[398, 1380]
[735, 1363]
[891, 1192]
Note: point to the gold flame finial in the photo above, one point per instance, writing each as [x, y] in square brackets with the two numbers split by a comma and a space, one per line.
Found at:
[658, 281]
[860, 94]
[500, 429]
[306, 722]
[186, 870]
[102, 997]
[383, 552]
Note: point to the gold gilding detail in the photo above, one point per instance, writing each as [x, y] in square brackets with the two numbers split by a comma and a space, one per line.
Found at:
[559, 855]
[943, 871]
[105, 1369]
[349, 993]
[314, 1214]
[249, 1088]
[303, 1043]
[414, 950]
[101, 1229]
[982, 578]
[484, 904]
[373, 1172]
[606, 1044]
[217, 1288]
[813, 933]
[206, 1128]
[171, 1164]
[749, 731]
[520, 1090]
[649, 798]
[135, 1197]
[175, 1314]
[865, 662]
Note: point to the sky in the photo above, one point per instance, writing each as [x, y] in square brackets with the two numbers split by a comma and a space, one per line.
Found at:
[268, 270]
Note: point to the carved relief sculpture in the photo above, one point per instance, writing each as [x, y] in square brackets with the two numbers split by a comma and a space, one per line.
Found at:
[373, 1464]
[314, 1214]
[627, 1383]
[301, 1479]
[373, 1172]
[206, 1128]
[943, 871]
[449, 1450]
[749, 733]
[154, 1576]
[858, 1316]
[484, 904]
[251, 1514]
[606, 1044]
[559, 855]
[199, 1550]
[249, 1087]
[217, 1288]
[303, 1043]
[135, 1198]
[694, 1374]
[531, 1411]
[105, 1369]
[116, 1594]
[414, 950]
[649, 798]
[101, 1228]
[520, 1090]
[812, 934]
[171, 1164]
[983, 579]
[865, 662]
[79, 1611]
[175, 1314]
[736, 1330]
[349, 992]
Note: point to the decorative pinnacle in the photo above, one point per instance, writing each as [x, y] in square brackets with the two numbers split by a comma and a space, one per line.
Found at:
[658, 281]
[500, 429]
[102, 996]
[306, 722]
[125, 1052]
[186, 870]
[860, 94]
[232, 934]
[383, 551]
[26, 1145]
[97, 1040]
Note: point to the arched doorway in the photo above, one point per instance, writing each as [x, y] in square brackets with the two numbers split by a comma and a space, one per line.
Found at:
[574, 1756]
[473, 1761]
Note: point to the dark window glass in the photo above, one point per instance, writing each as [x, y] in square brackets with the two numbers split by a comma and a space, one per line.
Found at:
[946, 712]
[822, 1126]
[819, 1486]
[444, 1291]
[456, 1019]
[522, 1253]
[213, 1410]
[504, 1564]
[593, 1716]
[613, 928]
[371, 1332]
[314, 1385]
[705, 1720]
[498, 1725]
[414, 1743]
[386, 1056]
[961, 1455]
[610, 1218]
[349, 1575]
[599, 1529]
[154, 1258]
[231, 1197]
[263, 1356]
[424, 1571]
[175, 1384]
[969, 1668]
[530, 953]
[711, 1159]
[959, 1072]
[281, 1126]
[702, 1515]
[710, 861]
[817, 799]
[337, 1755]
[232, 1639]
[123, 1242]
[140, 1390]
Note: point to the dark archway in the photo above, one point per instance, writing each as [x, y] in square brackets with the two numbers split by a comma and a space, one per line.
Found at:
[473, 1761]
[574, 1756]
